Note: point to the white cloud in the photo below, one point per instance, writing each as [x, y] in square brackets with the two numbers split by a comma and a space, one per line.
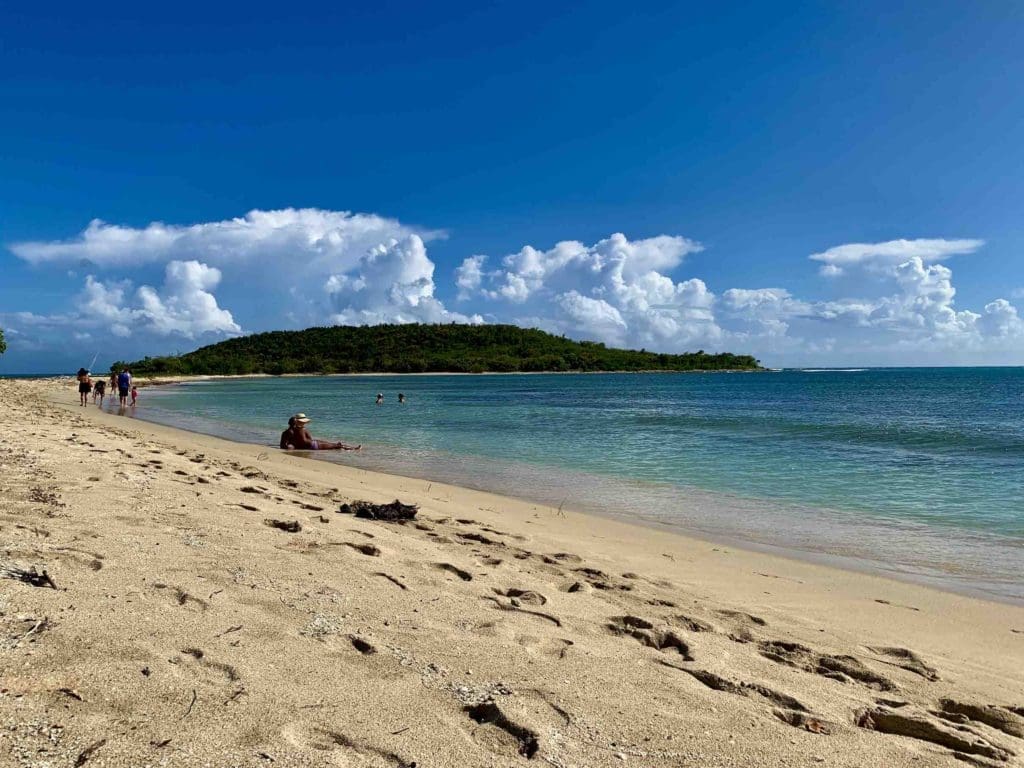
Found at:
[611, 291]
[764, 310]
[393, 283]
[184, 307]
[1000, 320]
[276, 254]
[593, 317]
[306, 237]
[469, 275]
[890, 254]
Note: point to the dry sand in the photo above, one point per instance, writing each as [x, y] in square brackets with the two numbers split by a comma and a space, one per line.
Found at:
[182, 630]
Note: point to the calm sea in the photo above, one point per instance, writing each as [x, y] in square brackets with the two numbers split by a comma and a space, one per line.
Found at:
[915, 472]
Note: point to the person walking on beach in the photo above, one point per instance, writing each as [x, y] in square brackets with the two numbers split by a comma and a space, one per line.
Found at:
[99, 390]
[113, 383]
[380, 398]
[124, 385]
[84, 386]
[135, 394]
[297, 438]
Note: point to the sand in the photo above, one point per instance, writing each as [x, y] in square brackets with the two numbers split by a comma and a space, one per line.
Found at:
[176, 627]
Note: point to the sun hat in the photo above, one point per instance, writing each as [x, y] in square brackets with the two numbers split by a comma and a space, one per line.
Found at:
[300, 418]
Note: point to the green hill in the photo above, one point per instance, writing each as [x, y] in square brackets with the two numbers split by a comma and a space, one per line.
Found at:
[423, 348]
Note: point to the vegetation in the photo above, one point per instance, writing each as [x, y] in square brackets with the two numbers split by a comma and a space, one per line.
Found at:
[422, 348]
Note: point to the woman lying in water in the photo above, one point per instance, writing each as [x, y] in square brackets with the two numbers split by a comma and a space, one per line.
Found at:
[297, 438]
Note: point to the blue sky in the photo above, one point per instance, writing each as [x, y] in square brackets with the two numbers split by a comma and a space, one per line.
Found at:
[657, 175]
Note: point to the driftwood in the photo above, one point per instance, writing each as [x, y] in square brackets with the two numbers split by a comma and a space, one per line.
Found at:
[394, 512]
[31, 577]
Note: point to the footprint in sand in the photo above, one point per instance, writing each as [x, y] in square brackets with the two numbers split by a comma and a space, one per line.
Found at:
[464, 575]
[645, 633]
[498, 733]
[844, 669]
[915, 724]
[525, 596]
[367, 549]
[556, 647]
[332, 747]
[906, 659]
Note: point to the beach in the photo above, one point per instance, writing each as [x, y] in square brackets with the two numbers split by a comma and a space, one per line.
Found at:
[178, 625]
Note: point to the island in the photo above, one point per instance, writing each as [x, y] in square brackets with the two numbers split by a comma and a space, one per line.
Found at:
[419, 348]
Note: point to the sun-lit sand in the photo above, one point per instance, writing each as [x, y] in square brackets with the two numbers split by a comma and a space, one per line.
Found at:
[177, 627]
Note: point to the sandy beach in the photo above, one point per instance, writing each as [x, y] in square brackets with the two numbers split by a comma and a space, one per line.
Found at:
[177, 625]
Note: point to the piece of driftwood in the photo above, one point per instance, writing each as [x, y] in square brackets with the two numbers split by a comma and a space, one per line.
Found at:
[31, 577]
[394, 512]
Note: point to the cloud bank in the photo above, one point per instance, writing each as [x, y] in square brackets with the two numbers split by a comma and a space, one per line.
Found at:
[310, 266]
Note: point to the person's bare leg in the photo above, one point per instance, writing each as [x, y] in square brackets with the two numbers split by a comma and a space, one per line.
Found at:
[327, 445]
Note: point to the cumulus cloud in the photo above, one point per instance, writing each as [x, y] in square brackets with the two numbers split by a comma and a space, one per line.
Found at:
[764, 310]
[393, 283]
[890, 254]
[469, 275]
[187, 306]
[184, 307]
[276, 253]
[614, 290]
[307, 237]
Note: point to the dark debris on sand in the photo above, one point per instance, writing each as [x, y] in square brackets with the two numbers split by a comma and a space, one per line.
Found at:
[394, 512]
[31, 577]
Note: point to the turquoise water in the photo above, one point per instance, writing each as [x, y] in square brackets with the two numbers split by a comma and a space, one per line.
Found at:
[918, 472]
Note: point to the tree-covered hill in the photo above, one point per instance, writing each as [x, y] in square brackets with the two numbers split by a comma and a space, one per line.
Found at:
[423, 348]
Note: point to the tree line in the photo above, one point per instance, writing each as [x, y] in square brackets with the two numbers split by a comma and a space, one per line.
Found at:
[420, 349]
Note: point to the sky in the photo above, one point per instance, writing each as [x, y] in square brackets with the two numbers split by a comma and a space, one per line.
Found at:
[816, 184]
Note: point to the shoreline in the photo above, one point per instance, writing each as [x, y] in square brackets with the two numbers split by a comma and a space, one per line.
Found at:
[908, 573]
[192, 633]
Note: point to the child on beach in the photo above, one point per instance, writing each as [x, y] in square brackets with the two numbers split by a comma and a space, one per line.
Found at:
[135, 395]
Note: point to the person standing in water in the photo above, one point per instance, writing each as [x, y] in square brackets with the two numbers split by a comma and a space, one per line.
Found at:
[124, 386]
[401, 399]
[380, 398]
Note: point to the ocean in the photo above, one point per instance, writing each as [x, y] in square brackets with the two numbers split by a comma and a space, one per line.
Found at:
[915, 473]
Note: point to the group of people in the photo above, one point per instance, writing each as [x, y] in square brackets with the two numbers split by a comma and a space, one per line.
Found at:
[380, 398]
[120, 382]
[297, 438]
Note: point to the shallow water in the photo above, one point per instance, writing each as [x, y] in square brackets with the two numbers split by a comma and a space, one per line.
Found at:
[916, 472]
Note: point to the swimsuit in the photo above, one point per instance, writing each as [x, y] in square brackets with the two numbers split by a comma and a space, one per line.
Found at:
[84, 387]
[315, 445]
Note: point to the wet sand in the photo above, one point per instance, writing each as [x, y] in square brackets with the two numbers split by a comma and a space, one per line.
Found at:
[177, 625]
